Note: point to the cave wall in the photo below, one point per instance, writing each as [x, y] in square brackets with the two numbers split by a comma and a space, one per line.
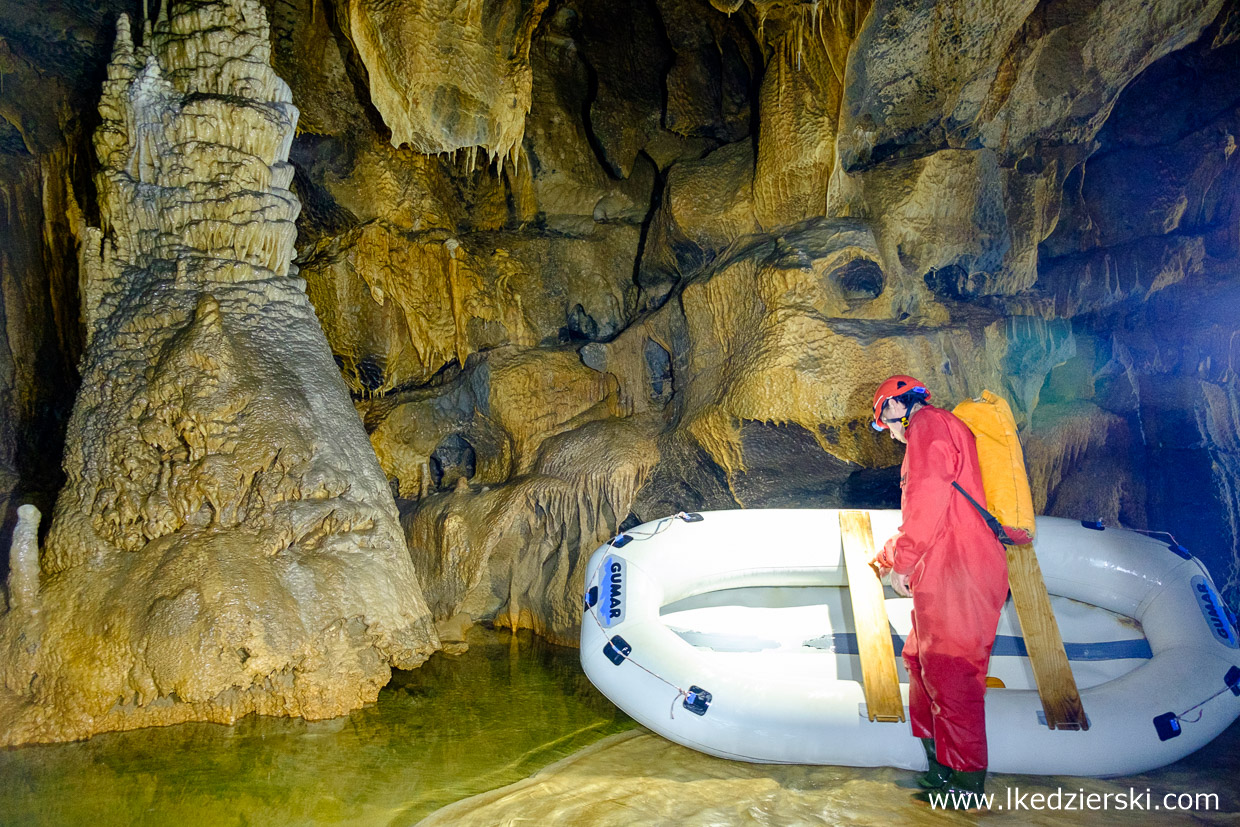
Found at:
[1143, 262]
[922, 187]
[579, 264]
[46, 58]
[912, 187]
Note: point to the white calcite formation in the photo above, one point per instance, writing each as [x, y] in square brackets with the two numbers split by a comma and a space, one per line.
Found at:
[226, 542]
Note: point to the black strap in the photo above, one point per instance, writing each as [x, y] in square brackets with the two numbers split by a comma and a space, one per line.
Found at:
[991, 521]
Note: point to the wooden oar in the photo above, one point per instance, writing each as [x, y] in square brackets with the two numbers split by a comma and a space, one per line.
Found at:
[878, 659]
[1061, 702]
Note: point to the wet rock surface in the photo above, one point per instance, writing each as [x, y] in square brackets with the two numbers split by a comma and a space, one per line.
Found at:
[580, 265]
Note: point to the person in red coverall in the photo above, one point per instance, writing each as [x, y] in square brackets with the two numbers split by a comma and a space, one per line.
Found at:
[947, 559]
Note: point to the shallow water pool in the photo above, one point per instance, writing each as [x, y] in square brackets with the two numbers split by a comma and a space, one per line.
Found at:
[459, 725]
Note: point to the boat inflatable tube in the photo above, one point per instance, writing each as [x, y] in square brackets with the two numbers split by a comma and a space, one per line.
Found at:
[731, 632]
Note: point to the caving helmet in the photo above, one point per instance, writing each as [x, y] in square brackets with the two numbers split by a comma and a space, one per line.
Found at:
[894, 388]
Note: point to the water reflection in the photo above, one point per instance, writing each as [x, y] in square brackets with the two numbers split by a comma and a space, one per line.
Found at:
[456, 727]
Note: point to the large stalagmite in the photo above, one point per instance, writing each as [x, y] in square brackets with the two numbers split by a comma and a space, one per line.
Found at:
[226, 542]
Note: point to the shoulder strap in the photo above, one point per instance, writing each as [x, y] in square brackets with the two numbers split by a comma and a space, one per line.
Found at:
[991, 522]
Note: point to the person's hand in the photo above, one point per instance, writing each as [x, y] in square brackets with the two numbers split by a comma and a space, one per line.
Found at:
[899, 582]
[885, 560]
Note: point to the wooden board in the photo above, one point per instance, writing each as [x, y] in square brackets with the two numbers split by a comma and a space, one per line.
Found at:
[1061, 702]
[878, 657]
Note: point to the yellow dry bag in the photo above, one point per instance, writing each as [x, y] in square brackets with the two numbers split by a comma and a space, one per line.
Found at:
[1003, 464]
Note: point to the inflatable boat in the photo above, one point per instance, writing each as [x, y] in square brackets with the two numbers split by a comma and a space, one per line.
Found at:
[731, 632]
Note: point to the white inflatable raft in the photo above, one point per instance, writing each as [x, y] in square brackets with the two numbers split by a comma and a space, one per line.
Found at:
[732, 635]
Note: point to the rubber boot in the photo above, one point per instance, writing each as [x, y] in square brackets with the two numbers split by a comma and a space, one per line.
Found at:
[937, 775]
[963, 791]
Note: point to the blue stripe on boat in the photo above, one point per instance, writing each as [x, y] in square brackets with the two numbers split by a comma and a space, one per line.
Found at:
[845, 643]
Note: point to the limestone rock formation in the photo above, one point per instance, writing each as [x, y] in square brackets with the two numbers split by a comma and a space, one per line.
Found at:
[585, 264]
[516, 554]
[226, 542]
[398, 307]
[448, 76]
[1077, 455]
[800, 100]
[707, 205]
[513, 472]
[453, 321]
[1009, 77]
[778, 277]
[40, 215]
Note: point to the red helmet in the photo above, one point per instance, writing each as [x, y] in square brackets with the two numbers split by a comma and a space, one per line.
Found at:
[891, 388]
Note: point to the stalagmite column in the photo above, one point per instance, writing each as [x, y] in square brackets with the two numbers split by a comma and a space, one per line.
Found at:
[225, 542]
[24, 561]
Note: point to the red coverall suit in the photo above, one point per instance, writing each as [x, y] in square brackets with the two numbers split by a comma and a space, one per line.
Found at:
[958, 577]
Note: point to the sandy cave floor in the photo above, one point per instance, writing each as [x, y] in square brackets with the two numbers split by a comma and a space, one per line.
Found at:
[637, 777]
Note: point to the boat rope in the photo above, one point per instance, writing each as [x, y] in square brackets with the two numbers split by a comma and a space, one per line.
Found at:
[1203, 703]
[671, 710]
[659, 528]
[1152, 533]
[1173, 544]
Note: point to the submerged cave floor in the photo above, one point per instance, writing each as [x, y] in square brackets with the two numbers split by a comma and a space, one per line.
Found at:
[639, 778]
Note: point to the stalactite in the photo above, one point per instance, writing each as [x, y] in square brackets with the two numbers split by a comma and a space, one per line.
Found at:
[456, 301]
[482, 52]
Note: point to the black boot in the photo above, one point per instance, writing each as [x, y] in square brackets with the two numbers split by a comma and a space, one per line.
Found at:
[963, 791]
[937, 775]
